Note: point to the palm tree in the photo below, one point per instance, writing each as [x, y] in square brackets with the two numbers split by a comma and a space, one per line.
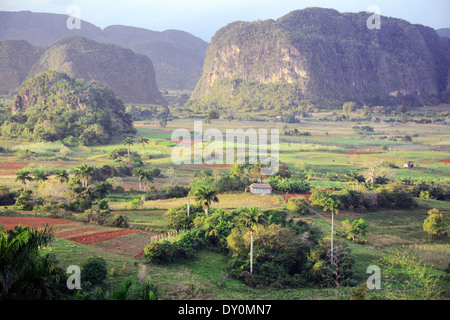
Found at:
[140, 173]
[205, 195]
[19, 269]
[250, 219]
[40, 175]
[331, 205]
[143, 141]
[128, 142]
[62, 175]
[23, 176]
[84, 172]
[148, 178]
[355, 177]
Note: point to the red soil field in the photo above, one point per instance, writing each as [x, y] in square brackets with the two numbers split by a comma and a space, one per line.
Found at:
[12, 166]
[445, 161]
[32, 222]
[71, 233]
[139, 255]
[288, 196]
[102, 236]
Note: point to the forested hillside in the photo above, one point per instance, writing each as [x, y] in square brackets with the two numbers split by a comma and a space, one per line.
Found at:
[53, 106]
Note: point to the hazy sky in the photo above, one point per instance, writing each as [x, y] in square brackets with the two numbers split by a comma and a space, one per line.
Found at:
[203, 18]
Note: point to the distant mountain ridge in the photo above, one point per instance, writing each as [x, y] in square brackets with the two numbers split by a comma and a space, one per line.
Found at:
[130, 75]
[17, 57]
[177, 55]
[325, 57]
[444, 32]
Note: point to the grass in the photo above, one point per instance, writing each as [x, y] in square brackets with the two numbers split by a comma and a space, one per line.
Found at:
[152, 220]
[46, 149]
[205, 276]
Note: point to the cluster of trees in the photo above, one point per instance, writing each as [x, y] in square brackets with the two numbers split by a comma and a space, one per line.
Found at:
[296, 133]
[431, 191]
[289, 184]
[240, 176]
[149, 114]
[61, 192]
[364, 130]
[264, 247]
[394, 196]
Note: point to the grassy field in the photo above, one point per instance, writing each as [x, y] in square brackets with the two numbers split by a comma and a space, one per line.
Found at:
[332, 148]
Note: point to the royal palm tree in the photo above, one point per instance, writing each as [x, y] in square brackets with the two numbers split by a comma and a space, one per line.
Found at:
[40, 175]
[355, 177]
[147, 178]
[140, 174]
[62, 175]
[331, 205]
[128, 142]
[251, 218]
[23, 176]
[205, 195]
[84, 172]
[143, 141]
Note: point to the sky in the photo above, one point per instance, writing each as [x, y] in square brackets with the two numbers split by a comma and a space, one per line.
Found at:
[203, 18]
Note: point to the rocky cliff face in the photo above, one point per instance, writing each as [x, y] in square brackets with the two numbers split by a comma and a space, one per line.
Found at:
[325, 57]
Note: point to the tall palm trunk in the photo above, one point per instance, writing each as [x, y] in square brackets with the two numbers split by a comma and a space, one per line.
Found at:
[332, 232]
[251, 253]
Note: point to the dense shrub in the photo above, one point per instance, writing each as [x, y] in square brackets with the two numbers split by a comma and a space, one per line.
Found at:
[299, 205]
[78, 205]
[178, 219]
[431, 191]
[25, 200]
[176, 192]
[394, 196]
[120, 221]
[94, 271]
[291, 185]
[435, 224]
[167, 193]
[167, 251]
[95, 216]
[323, 272]
[7, 196]
[279, 254]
